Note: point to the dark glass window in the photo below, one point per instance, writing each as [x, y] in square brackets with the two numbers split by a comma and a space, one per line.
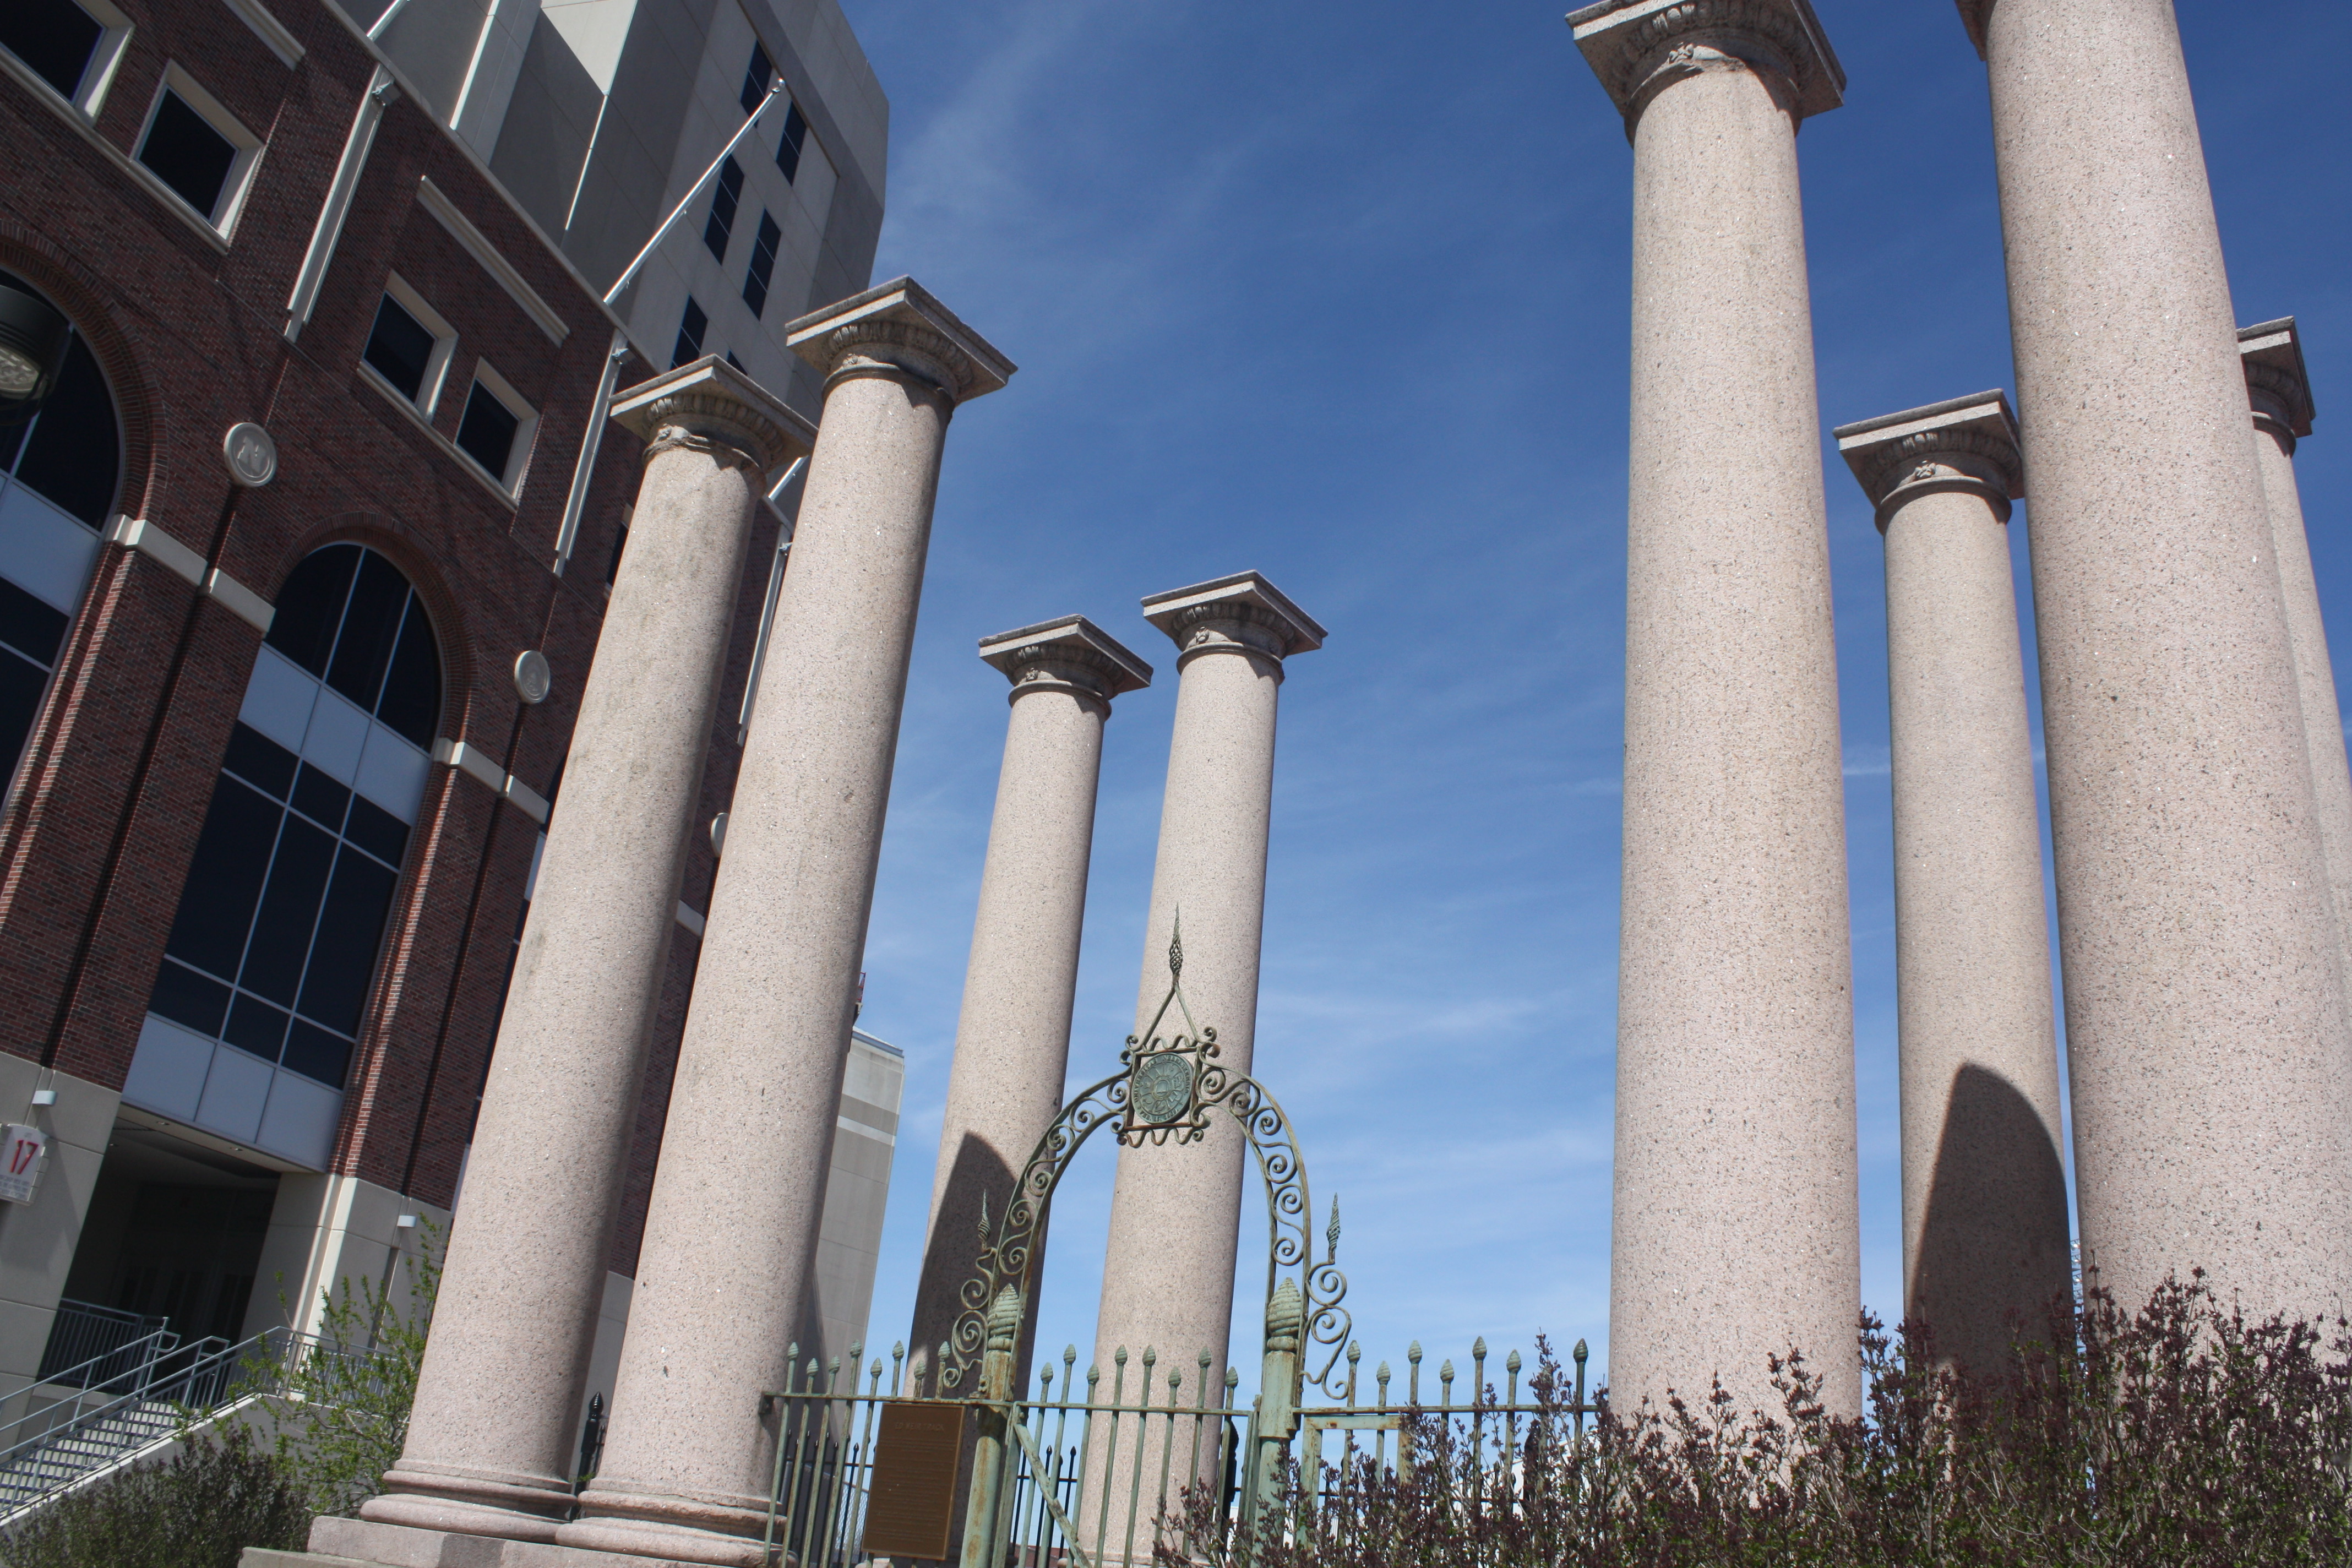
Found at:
[188, 154]
[756, 78]
[400, 347]
[283, 909]
[691, 328]
[787, 151]
[487, 433]
[724, 198]
[762, 271]
[57, 37]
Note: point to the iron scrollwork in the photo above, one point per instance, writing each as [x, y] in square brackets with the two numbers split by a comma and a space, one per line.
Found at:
[1166, 1088]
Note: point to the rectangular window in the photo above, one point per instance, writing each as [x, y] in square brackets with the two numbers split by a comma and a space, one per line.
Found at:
[495, 429]
[691, 328]
[762, 271]
[198, 149]
[73, 47]
[409, 345]
[756, 78]
[787, 151]
[724, 197]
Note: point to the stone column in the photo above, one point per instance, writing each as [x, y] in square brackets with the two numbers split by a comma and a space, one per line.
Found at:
[1736, 1231]
[2280, 393]
[491, 1441]
[724, 1281]
[2206, 1030]
[1984, 1185]
[1012, 1039]
[1175, 1216]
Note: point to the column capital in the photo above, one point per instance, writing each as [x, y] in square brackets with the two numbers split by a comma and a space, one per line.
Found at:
[1638, 48]
[1070, 654]
[898, 327]
[2278, 385]
[712, 404]
[1962, 444]
[1239, 614]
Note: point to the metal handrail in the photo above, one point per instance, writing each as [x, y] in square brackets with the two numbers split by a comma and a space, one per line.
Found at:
[83, 1332]
[134, 1361]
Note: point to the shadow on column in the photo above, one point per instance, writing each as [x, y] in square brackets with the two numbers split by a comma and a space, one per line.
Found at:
[953, 1255]
[1993, 1244]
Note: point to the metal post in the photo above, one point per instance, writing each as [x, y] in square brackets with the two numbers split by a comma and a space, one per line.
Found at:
[1277, 1422]
[992, 1458]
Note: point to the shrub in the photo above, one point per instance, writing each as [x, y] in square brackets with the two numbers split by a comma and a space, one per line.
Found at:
[199, 1509]
[2180, 1435]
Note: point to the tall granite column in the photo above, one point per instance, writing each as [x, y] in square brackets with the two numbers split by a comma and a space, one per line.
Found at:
[491, 1441]
[1175, 1214]
[2280, 392]
[1736, 1231]
[2206, 1029]
[1984, 1185]
[1012, 1038]
[724, 1279]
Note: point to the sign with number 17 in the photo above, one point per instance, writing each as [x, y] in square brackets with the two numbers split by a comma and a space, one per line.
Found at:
[20, 1161]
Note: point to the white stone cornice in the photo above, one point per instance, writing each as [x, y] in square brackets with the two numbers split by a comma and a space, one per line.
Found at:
[711, 401]
[1962, 444]
[2277, 384]
[899, 326]
[1637, 47]
[1071, 653]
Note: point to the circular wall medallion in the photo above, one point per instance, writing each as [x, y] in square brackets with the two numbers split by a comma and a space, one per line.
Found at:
[533, 678]
[251, 454]
[1162, 1088]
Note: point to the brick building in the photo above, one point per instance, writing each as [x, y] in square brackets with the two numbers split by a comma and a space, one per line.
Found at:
[280, 764]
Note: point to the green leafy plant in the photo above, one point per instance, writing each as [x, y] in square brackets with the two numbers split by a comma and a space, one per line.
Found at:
[200, 1509]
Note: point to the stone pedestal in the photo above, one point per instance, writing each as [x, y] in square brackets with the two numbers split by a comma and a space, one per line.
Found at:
[1984, 1184]
[492, 1441]
[1013, 1037]
[1736, 1231]
[2206, 1029]
[1175, 1219]
[2280, 393]
[723, 1282]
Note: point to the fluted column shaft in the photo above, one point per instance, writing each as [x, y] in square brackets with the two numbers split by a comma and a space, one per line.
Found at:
[1984, 1184]
[2205, 1014]
[723, 1282]
[490, 1441]
[1013, 1037]
[2280, 395]
[1736, 1230]
[1175, 1219]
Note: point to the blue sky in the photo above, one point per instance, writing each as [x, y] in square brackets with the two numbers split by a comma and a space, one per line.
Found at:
[1339, 292]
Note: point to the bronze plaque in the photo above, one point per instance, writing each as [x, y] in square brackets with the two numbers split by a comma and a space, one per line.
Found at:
[910, 1509]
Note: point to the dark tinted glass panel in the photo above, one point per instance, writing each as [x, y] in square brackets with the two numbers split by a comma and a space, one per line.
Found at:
[763, 265]
[310, 606]
[289, 910]
[411, 705]
[73, 452]
[320, 798]
[487, 433]
[376, 830]
[756, 78]
[21, 685]
[256, 758]
[691, 328]
[186, 997]
[724, 197]
[344, 958]
[56, 38]
[256, 1027]
[371, 628]
[314, 1053]
[787, 151]
[30, 626]
[225, 878]
[400, 348]
[187, 153]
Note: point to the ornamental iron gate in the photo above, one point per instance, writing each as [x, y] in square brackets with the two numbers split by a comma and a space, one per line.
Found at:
[1148, 1458]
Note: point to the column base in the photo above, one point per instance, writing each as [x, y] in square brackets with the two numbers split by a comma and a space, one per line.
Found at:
[506, 1506]
[669, 1529]
[366, 1543]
